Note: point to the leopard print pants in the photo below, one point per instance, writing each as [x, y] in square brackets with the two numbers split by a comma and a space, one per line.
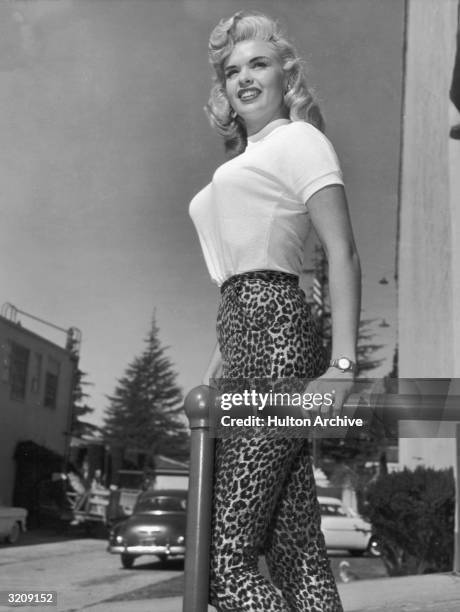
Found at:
[264, 497]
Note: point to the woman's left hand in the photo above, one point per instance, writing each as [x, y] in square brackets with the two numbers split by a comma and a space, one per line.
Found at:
[335, 383]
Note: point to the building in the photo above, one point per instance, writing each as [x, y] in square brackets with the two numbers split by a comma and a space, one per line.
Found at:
[429, 224]
[125, 467]
[170, 474]
[36, 382]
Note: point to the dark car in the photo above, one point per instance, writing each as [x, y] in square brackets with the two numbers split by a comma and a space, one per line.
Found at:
[156, 527]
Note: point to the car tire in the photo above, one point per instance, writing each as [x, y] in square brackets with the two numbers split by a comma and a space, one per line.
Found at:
[14, 534]
[373, 548]
[127, 561]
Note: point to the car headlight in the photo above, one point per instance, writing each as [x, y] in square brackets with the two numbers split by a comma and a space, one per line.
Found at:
[180, 540]
[119, 539]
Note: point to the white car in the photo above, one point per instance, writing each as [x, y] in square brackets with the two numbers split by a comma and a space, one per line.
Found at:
[12, 523]
[344, 529]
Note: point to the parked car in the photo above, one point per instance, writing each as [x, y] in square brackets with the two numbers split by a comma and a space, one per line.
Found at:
[12, 523]
[345, 529]
[156, 527]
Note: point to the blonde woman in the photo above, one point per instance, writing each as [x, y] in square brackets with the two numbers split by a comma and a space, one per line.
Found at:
[252, 222]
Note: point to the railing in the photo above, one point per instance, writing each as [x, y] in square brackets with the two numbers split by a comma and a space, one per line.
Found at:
[198, 403]
[73, 334]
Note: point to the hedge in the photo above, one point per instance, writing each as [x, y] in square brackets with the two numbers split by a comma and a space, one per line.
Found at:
[412, 513]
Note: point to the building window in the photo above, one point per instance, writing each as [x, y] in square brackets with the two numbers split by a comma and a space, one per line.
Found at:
[51, 383]
[19, 363]
[36, 375]
[5, 361]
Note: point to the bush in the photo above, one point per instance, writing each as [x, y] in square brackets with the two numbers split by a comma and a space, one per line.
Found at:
[412, 513]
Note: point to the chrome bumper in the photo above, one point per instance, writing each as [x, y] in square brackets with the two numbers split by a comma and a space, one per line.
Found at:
[146, 550]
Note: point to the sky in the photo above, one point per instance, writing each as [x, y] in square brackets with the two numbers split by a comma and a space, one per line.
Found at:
[105, 143]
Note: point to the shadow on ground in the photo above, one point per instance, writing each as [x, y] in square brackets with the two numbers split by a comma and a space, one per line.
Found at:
[58, 532]
[361, 568]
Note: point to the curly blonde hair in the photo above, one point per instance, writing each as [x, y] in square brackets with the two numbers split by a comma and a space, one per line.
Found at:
[299, 98]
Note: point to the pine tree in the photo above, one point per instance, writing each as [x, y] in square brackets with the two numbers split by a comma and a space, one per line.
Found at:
[144, 413]
[80, 408]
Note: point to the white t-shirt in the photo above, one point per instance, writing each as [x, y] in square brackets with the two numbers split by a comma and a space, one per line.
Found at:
[253, 215]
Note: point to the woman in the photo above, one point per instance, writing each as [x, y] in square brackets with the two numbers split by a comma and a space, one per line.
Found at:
[252, 221]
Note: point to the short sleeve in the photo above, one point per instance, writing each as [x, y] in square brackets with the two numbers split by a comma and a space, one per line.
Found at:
[309, 161]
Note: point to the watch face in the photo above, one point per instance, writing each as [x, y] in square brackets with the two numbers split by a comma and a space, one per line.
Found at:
[344, 363]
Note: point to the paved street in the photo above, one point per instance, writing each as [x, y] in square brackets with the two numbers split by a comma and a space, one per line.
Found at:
[80, 570]
[429, 593]
[85, 576]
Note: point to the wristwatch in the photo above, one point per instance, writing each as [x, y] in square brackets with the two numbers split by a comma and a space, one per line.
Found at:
[343, 364]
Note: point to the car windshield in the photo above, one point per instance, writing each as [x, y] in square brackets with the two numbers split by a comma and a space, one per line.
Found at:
[166, 504]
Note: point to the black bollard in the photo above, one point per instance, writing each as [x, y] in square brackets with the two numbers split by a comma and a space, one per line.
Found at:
[198, 403]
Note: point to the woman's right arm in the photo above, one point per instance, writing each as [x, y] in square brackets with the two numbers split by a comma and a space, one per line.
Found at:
[215, 366]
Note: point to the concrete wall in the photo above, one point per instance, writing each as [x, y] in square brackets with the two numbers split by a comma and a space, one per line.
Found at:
[428, 269]
[28, 418]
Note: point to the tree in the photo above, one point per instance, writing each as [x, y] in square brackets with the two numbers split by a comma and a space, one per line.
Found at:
[371, 443]
[144, 413]
[412, 513]
[366, 349]
[80, 408]
[321, 309]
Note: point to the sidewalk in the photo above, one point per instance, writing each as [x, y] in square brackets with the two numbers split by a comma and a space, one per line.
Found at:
[427, 593]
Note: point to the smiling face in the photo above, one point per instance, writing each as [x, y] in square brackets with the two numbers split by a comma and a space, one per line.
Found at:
[255, 84]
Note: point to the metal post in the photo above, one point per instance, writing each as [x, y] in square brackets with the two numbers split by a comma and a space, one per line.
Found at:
[198, 534]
